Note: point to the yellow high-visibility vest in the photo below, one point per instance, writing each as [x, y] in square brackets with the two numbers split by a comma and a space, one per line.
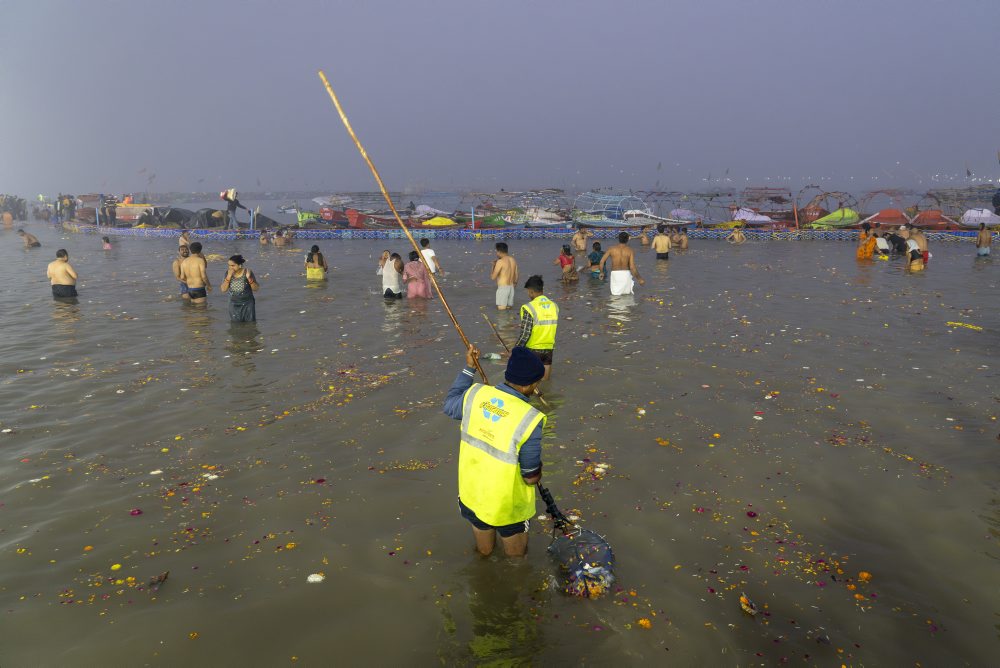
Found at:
[545, 315]
[495, 425]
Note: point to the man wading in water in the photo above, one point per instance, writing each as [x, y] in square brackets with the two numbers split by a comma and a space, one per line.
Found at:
[195, 276]
[62, 276]
[622, 267]
[539, 319]
[500, 455]
[505, 274]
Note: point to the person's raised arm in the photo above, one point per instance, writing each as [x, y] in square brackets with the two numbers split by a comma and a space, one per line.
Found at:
[70, 271]
[495, 272]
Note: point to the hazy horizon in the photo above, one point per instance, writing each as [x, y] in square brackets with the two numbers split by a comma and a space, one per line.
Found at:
[115, 96]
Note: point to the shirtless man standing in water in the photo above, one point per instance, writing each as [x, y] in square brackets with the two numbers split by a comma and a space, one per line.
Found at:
[505, 274]
[623, 268]
[983, 240]
[194, 275]
[579, 240]
[661, 243]
[182, 252]
[62, 276]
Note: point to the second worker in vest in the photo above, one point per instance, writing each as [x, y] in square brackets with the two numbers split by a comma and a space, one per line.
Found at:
[500, 456]
[539, 319]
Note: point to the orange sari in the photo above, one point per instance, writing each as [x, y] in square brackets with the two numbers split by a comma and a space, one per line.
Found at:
[866, 248]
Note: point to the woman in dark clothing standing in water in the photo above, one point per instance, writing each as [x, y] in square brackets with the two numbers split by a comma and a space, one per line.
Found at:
[240, 283]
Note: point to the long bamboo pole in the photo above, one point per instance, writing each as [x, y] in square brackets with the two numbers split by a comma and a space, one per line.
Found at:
[392, 207]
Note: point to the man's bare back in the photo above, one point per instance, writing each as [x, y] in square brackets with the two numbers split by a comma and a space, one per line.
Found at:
[61, 272]
[661, 243]
[193, 272]
[984, 239]
[504, 271]
[622, 259]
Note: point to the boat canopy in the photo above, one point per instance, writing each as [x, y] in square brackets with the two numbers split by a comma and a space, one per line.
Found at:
[844, 217]
[592, 205]
[975, 217]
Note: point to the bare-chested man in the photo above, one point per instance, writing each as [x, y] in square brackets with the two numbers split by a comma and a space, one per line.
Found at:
[661, 243]
[30, 240]
[184, 239]
[682, 242]
[505, 274]
[622, 267]
[579, 240]
[194, 274]
[983, 240]
[62, 276]
[644, 235]
[918, 235]
[182, 252]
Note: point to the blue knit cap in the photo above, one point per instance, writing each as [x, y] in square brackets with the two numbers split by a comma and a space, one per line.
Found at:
[523, 367]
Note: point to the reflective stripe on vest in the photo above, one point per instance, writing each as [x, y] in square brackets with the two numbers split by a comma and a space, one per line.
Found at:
[545, 314]
[495, 425]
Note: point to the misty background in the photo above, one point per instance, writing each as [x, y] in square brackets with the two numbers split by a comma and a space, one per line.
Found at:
[118, 96]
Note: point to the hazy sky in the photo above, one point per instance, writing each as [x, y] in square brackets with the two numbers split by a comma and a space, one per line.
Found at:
[474, 94]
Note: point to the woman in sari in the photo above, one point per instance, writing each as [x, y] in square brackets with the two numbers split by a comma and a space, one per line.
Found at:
[418, 285]
[866, 244]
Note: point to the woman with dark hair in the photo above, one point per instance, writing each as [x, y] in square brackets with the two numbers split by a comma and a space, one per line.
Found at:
[568, 265]
[316, 265]
[418, 284]
[240, 283]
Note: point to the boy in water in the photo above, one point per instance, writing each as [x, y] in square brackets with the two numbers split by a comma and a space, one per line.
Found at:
[62, 276]
[595, 260]
[505, 274]
[430, 256]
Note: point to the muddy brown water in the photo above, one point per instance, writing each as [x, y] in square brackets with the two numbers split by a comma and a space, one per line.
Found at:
[775, 419]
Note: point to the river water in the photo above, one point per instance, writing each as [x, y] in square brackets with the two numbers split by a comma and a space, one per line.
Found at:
[775, 419]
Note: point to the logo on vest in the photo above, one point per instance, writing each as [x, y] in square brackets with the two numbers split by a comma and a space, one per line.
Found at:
[493, 409]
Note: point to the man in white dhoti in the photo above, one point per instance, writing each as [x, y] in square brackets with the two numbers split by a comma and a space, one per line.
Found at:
[623, 269]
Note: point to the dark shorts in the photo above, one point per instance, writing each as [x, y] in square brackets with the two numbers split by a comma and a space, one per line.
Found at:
[37, 244]
[663, 256]
[389, 294]
[197, 293]
[61, 291]
[544, 355]
[184, 288]
[504, 531]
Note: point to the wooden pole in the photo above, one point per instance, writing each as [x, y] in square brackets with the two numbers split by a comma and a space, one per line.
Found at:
[392, 207]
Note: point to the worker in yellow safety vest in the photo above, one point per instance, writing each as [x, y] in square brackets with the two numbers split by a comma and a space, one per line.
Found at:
[500, 456]
[539, 319]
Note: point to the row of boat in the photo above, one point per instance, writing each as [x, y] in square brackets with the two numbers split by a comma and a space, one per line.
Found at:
[773, 208]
